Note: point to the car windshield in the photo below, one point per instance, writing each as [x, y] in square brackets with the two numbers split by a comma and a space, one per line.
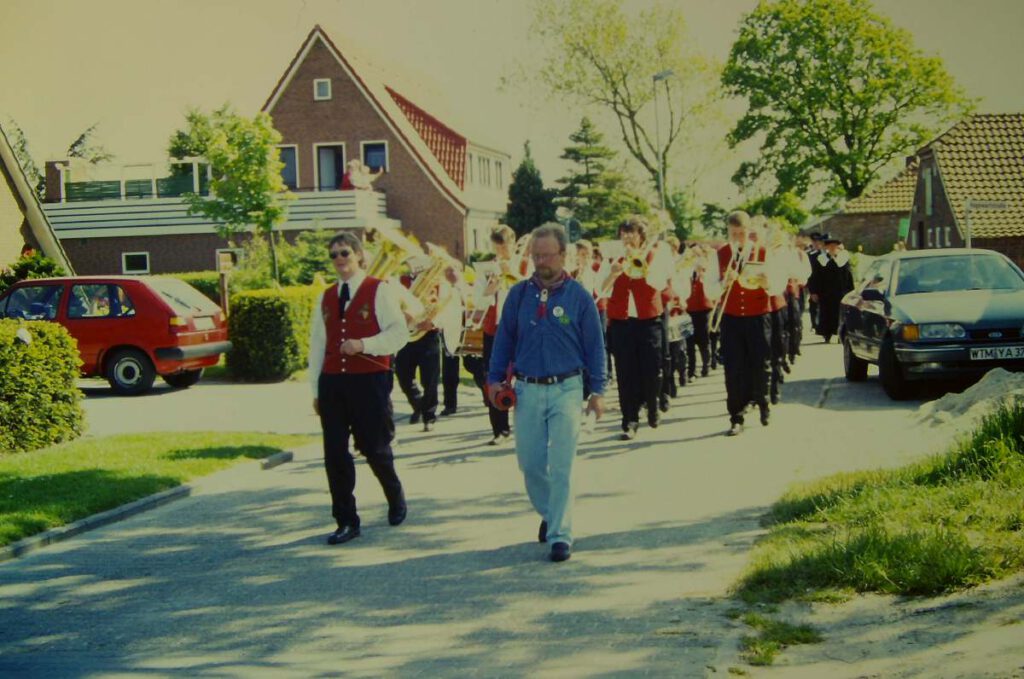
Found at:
[182, 297]
[957, 272]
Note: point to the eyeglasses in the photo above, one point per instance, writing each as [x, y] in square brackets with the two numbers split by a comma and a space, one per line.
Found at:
[545, 255]
[335, 254]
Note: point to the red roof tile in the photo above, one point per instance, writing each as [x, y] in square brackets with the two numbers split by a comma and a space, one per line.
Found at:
[447, 145]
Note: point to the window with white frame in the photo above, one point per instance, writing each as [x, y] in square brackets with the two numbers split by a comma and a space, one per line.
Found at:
[321, 89]
[375, 155]
[135, 262]
[330, 165]
[289, 156]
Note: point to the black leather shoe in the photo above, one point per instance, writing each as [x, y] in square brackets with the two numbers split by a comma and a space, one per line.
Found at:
[343, 535]
[662, 406]
[560, 551]
[542, 534]
[734, 429]
[704, 371]
[629, 432]
[652, 419]
[397, 510]
[415, 417]
[775, 399]
[449, 411]
[428, 426]
[764, 416]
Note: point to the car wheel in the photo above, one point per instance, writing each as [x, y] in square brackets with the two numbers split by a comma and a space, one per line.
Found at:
[130, 372]
[855, 368]
[890, 373]
[184, 379]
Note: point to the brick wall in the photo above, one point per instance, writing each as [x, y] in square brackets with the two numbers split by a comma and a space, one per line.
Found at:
[349, 118]
[876, 232]
[1011, 247]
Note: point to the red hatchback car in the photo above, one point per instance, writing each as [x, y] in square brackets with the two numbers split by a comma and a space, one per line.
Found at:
[129, 328]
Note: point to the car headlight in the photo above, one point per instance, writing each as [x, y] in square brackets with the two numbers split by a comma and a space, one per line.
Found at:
[942, 331]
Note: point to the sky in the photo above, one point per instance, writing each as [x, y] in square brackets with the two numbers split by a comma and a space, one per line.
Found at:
[136, 66]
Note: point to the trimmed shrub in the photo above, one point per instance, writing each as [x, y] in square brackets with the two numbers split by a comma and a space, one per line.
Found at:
[30, 265]
[39, 400]
[269, 331]
[206, 282]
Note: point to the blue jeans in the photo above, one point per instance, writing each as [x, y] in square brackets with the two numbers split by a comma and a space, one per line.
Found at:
[547, 419]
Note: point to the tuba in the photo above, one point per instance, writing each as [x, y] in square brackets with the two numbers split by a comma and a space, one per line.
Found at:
[393, 249]
[425, 284]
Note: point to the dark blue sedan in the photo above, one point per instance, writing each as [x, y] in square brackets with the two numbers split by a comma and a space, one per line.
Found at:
[933, 314]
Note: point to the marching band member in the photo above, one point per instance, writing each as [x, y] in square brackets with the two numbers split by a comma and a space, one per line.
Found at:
[704, 289]
[601, 297]
[817, 247]
[778, 309]
[359, 326]
[745, 322]
[490, 294]
[674, 362]
[449, 359]
[635, 325]
[423, 354]
[798, 275]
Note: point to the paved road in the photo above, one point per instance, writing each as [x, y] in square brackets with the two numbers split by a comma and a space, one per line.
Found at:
[236, 580]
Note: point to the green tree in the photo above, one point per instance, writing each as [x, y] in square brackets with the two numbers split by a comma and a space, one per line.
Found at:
[32, 264]
[834, 92]
[83, 147]
[785, 206]
[529, 203]
[598, 196]
[246, 188]
[599, 56]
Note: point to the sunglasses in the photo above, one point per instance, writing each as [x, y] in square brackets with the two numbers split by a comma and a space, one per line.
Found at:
[335, 254]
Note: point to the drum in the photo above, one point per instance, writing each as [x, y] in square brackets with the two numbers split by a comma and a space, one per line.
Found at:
[471, 343]
[680, 327]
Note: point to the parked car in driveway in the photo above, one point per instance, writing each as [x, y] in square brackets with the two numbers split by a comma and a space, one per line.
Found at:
[129, 329]
[934, 314]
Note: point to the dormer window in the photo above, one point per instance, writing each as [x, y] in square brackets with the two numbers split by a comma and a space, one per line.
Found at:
[322, 89]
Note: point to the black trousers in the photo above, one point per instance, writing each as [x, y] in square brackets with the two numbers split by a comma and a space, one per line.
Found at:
[698, 340]
[779, 343]
[425, 355]
[746, 356]
[357, 405]
[637, 349]
[794, 325]
[450, 380]
[499, 418]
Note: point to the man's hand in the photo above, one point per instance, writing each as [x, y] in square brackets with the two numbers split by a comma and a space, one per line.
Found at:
[351, 347]
[616, 267]
[316, 406]
[596, 405]
[425, 325]
[492, 286]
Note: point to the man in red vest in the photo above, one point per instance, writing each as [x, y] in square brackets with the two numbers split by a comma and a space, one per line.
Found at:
[746, 325]
[703, 293]
[635, 324]
[358, 327]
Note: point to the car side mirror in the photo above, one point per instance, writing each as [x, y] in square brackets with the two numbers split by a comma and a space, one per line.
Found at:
[872, 295]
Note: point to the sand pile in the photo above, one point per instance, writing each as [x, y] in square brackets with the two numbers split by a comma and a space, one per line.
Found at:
[962, 411]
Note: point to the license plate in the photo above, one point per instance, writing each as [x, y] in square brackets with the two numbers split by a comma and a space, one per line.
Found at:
[997, 353]
[203, 322]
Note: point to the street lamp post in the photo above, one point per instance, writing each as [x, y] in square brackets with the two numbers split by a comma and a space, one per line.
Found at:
[656, 78]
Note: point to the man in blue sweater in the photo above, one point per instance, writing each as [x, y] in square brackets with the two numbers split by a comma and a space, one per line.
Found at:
[551, 336]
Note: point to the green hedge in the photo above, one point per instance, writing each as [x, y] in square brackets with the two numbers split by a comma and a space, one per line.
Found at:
[39, 400]
[206, 282]
[269, 332]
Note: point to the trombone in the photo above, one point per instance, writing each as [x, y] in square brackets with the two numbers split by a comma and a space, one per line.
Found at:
[733, 274]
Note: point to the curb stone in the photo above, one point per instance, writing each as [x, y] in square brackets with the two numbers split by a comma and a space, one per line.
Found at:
[61, 533]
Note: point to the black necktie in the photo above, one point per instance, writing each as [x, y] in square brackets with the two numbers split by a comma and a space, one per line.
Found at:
[343, 299]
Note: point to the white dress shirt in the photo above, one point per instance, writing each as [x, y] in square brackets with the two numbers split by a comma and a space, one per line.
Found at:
[393, 335]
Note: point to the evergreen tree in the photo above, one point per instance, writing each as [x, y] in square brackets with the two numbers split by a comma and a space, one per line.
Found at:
[597, 195]
[529, 203]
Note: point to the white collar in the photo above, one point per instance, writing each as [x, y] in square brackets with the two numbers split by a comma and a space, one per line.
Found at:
[353, 283]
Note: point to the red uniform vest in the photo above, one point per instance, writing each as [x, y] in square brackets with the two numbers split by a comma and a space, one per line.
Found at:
[360, 322]
[743, 302]
[647, 299]
[698, 299]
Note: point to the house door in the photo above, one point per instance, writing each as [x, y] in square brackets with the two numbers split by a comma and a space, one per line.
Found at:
[330, 164]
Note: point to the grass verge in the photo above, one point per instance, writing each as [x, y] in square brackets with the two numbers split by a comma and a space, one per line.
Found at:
[54, 486]
[772, 637]
[949, 522]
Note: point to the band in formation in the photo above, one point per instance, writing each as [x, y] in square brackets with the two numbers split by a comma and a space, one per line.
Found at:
[540, 326]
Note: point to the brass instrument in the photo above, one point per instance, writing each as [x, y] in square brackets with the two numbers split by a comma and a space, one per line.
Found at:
[424, 285]
[733, 274]
[394, 249]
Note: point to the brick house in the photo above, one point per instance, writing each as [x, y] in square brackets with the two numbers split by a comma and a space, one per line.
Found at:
[872, 220]
[441, 186]
[981, 158]
[22, 221]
